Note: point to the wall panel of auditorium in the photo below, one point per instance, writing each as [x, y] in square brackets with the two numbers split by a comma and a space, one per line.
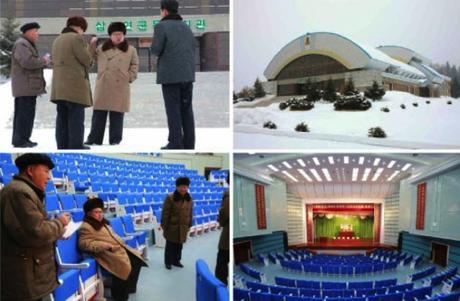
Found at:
[442, 207]
[244, 207]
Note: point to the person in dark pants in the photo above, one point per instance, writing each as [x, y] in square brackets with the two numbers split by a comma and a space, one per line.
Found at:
[70, 89]
[117, 67]
[223, 256]
[176, 220]
[109, 250]
[27, 82]
[174, 45]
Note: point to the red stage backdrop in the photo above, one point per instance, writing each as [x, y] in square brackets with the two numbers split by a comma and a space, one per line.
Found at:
[421, 197]
[352, 209]
[260, 207]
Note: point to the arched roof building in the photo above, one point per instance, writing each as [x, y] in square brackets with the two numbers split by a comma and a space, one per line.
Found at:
[321, 56]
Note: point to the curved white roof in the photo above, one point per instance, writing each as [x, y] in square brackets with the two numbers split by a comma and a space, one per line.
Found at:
[349, 53]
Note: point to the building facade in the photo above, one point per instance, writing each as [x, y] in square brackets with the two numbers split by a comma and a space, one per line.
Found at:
[322, 56]
[208, 19]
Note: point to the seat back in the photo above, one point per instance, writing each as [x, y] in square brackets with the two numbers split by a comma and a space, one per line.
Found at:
[69, 286]
[52, 203]
[117, 226]
[68, 251]
[206, 284]
[67, 201]
[129, 223]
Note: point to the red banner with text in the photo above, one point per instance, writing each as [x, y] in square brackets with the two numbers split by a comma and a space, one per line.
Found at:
[260, 207]
[421, 197]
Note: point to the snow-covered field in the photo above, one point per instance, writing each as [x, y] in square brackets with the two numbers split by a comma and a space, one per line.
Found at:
[427, 126]
[145, 126]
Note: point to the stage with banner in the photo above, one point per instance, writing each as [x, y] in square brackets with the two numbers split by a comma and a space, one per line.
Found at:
[343, 224]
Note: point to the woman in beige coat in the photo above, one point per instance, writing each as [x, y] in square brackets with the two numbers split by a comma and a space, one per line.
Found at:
[110, 251]
[117, 67]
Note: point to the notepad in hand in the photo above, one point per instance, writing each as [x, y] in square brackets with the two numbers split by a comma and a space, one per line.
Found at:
[70, 229]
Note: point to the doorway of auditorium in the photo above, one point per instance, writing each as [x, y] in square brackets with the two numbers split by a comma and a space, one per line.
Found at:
[439, 253]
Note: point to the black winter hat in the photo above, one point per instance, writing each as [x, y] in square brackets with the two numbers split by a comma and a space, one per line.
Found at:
[170, 5]
[93, 203]
[182, 181]
[31, 159]
[117, 26]
[28, 26]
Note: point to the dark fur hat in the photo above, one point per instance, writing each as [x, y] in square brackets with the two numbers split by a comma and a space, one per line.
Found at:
[182, 181]
[117, 26]
[93, 203]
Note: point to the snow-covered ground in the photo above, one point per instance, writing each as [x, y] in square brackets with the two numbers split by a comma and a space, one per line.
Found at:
[427, 126]
[134, 140]
[146, 124]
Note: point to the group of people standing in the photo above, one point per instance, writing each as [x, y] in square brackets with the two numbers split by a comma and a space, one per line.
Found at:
[117, 67]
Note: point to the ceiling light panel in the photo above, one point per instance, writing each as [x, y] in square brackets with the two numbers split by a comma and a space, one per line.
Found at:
[316, 175]
[273, 168]
[289, 176]
[301, 162]
[287, 164]
[305, 175]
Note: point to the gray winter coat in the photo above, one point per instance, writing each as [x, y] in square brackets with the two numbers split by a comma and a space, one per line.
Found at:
[26, 70]
[174, 45]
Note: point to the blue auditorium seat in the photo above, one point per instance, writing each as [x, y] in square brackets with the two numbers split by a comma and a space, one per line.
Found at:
[69, 286]
[206, 283]
[385, 282]
[141, 236]
[257, 286]
[285, 281]
[69, 257]
[360, 284]
[422, 293]
[117, 226]
[255, 296]
[52, 205]
[222, 294]
[401, 287]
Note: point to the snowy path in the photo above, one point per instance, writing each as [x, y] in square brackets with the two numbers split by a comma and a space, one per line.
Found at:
[430, 126]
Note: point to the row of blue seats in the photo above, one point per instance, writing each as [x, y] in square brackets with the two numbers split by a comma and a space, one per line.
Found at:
[252, 272]
[208, 287]
[330, 292]
[339, 259]
[300, 283]
[451, 284]
[300, 267]
[423, 293]
[421, 274]
[440, 277]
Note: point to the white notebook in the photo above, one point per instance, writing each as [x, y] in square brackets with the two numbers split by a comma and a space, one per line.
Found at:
[70, 229]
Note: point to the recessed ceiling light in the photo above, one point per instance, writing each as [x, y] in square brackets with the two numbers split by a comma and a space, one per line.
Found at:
[376, 161]
[326, 174]
[406, 167]
[366, 173]
[316, 175]
[393, 175]
[346, 159]
[391, 164]
[316, 161]
[354, 175]
[301, 162]
[304, 174]
[287, 164]
[331, 159]
[377, 174]
[289, 176]
[273, 168]
[361, 160]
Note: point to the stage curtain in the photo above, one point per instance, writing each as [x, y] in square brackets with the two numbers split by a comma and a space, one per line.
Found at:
[324, 227]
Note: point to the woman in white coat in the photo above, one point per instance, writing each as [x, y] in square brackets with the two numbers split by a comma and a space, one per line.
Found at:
[117, 67]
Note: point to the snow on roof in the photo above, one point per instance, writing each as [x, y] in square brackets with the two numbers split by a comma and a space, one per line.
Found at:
[380, 56]
[432, 70]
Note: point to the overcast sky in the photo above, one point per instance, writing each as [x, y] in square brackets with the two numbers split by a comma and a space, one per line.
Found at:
[262, 27]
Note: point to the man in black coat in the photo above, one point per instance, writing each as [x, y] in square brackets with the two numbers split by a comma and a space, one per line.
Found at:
[174, 45]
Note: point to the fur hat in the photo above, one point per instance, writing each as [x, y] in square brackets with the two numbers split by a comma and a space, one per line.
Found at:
[77, 21]
[32, 159]
[117, 26]
[93, 203]
[172, 6]
[28, 26]
[182, 181]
